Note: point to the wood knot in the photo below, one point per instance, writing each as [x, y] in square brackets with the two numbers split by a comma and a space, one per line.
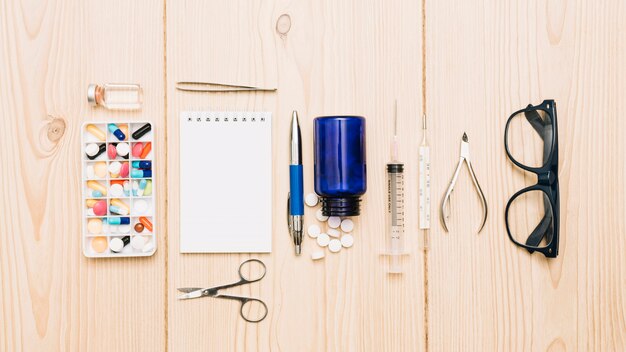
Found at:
[56, 129]
[283, 25]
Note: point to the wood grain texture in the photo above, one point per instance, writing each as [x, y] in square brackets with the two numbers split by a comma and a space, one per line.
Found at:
[51, 297]
[483, 61]
[351, 57]
[486, 294]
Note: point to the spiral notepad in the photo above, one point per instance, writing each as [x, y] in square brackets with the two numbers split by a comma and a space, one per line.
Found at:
[225, 182]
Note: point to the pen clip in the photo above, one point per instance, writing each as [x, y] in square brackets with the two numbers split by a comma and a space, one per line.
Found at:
[289, 218]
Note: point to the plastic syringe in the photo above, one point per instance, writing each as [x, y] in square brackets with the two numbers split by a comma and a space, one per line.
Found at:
[395, 205]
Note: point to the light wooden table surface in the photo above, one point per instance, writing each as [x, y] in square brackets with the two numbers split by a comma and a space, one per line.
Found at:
[483, 61]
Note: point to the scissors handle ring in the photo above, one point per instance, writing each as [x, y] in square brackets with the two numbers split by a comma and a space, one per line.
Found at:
[243, 315]
[243, 277]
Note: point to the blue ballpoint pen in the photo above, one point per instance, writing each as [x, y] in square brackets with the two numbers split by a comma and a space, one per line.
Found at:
[295, 201]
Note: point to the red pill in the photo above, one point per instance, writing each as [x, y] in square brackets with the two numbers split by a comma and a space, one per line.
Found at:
[112, 152]
[100, 208]
[137, 149]
[124, 170]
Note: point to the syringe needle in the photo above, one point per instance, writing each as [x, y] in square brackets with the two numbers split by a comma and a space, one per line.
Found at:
[424, 186]
[394, 143]
[424, 142]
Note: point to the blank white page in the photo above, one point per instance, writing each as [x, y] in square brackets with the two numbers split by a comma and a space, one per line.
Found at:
[225, 182]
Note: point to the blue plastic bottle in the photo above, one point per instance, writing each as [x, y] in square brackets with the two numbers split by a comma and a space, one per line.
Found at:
[340, 168]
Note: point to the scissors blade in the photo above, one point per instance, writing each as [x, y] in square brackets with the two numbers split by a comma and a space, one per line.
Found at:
[193, 294]
[188, 289]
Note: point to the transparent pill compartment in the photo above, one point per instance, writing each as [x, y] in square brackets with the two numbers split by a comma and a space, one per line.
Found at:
[113, 201]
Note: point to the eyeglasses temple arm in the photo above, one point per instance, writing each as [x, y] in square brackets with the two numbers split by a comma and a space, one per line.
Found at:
[542, 230]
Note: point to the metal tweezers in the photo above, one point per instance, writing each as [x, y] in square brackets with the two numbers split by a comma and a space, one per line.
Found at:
[218, 87]
[465, 157]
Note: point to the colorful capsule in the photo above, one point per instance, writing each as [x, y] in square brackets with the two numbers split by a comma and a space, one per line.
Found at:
[143, 164]
[127, 188]
[118, 210]
[146, 223]
[148, 190]
[97, 187]
[142, 187]
[141, 173]
[142, 131]
[96, 132]
[124, 129]
[119, 221]
[117, 132]
[146, 150]
[120, 204]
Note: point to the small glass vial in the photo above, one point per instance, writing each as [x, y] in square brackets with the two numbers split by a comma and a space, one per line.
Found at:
[340, 168]
[115, 96]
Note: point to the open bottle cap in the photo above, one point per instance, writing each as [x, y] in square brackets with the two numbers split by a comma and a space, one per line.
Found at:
[91, 95]
[94, 95]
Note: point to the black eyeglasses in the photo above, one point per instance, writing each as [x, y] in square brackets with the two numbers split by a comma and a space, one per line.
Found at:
[532, 214]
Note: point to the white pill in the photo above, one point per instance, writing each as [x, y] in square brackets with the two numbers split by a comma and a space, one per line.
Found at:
[138, 242]
[334, 245]
[124, 228]
[91, 173]
[334, 222]
[115, 167]
[311, 199]
[320, 216]
[323, 239]
[317, 255]
[114, 228]
[149, 247]
[140, 206]
[116, 245]
[347, 225]
[92, 149]
[122, 149]
[333, 232]
[314, 231]
[347, 241]
[116, 190]
[90, 212]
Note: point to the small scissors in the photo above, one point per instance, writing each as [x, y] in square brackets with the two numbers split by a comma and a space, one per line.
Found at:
[465, 156]
[197, 292]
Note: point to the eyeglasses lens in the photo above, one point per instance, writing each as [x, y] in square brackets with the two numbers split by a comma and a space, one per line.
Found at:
[529, 138]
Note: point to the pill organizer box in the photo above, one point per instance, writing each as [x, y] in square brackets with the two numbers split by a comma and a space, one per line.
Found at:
[118, 189]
